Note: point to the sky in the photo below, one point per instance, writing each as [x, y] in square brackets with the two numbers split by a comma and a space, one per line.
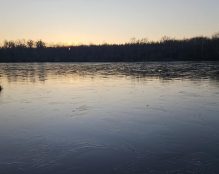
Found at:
[111, 21]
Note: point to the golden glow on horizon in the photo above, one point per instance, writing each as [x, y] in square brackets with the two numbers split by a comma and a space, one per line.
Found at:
[96, 22]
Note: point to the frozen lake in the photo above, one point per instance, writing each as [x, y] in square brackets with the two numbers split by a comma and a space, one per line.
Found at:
[122, 118]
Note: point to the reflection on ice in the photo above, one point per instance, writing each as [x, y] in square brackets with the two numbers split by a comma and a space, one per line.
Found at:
[109, 118]
[39, 72]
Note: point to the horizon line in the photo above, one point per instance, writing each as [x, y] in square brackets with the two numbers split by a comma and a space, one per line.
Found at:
[131, 41]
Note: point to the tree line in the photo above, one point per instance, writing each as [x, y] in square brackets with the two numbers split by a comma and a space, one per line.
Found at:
[167, 49]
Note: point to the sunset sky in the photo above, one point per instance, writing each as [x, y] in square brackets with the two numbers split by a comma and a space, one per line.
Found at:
[112, 21]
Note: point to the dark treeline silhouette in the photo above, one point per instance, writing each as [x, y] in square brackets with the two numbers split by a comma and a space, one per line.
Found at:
[194, 49]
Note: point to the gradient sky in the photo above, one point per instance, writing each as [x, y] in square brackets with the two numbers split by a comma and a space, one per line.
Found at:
[113, 21]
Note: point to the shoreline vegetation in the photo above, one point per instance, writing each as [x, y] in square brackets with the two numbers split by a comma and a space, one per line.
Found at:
[167, 49]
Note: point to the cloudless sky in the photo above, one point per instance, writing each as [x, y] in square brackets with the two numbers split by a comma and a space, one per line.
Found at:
[113, 21]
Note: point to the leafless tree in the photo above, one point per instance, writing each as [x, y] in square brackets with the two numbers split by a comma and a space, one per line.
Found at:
[40, 44]
[30, 43]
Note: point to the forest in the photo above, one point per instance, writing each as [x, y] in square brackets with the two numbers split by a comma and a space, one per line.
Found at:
[167, 49]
